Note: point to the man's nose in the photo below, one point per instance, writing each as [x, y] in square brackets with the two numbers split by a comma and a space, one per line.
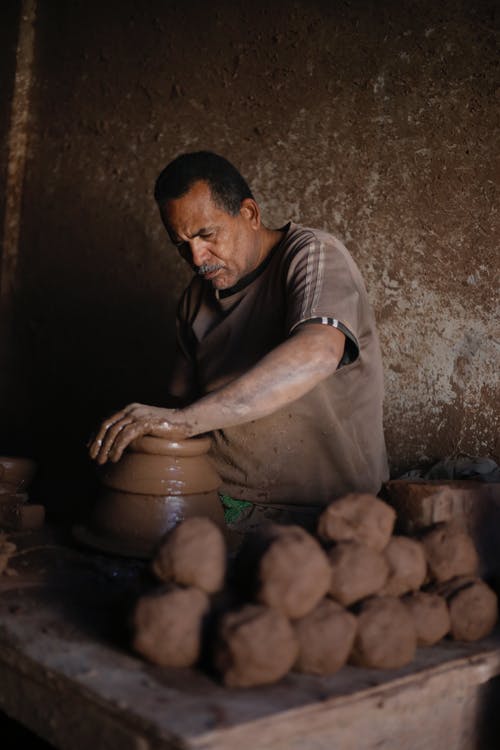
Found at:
[199, 251]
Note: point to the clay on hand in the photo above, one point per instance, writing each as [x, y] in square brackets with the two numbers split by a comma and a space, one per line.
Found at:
[193, 553]
[168, 626]
[293, 572]
[358, 517]
[450, 552]
[132, 422]
[357, 571]
[407, 566]
[386, 636]
[473, 607]
[430, 615]
[254, 646]
[325, 638]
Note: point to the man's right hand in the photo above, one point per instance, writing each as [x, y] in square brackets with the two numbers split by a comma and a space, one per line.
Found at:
[135, 420]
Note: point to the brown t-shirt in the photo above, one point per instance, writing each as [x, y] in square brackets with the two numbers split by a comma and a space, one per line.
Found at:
[326, 443]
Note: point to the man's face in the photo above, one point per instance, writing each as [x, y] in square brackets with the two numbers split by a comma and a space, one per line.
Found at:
[219, 247]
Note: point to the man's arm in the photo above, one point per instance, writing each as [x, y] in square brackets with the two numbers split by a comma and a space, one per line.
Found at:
[283, 375]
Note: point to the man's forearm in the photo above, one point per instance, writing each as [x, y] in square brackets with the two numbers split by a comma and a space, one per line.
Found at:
[282, 376]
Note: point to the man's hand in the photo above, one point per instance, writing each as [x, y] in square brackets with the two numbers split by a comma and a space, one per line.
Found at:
[135, 420]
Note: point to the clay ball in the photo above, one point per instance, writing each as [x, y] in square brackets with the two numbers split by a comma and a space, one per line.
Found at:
[430, 616]
[407, 566]
[473, 607]
[193, 554]
[168, 626]
[357, 571]
[450, 552]
[386, 636]
[360, 518]
[255, 646]
[325, 638]
[293, 572]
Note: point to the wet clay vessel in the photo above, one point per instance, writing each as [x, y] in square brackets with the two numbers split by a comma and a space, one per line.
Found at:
[156, 484]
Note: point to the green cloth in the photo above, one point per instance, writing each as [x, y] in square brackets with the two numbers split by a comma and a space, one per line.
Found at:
[233, 509]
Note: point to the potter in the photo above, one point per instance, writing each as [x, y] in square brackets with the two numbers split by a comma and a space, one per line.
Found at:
[277, 353]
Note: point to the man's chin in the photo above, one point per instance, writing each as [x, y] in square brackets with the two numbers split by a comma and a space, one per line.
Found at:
[220, 282]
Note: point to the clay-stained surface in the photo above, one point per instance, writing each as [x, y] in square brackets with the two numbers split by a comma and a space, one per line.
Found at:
[375, 121]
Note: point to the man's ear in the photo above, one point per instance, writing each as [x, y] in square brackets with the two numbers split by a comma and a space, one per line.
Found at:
[250, 211]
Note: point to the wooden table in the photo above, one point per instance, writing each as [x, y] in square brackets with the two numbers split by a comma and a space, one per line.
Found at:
[67, 673]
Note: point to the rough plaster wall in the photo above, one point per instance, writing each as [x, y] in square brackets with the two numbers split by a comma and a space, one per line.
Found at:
[9, 14]
[377, 121]
[8, 23]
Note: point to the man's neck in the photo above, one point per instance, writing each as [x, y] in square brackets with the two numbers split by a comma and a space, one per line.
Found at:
[270, 238]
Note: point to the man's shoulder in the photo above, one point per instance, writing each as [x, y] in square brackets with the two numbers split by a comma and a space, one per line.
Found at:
[298, 235]
[301, 240]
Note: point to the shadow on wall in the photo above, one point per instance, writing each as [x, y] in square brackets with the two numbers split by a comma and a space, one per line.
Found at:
[94, 331]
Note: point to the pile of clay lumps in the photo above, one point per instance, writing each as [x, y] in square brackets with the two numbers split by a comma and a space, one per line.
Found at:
[353, 593]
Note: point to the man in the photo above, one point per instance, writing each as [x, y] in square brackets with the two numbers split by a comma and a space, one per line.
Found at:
[277, 355]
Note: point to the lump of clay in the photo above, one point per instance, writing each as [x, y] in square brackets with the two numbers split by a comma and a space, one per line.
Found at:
[325, 638]
[360, 518]
[473, 608]
[357, 571]
[450, 552]
[386, 636]
[430, 616]
[407, 566]
[193, 554]
[168, 626]
[293, 572]
[254, 646]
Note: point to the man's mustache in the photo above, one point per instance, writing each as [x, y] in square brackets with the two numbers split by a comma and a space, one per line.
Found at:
[208, 268]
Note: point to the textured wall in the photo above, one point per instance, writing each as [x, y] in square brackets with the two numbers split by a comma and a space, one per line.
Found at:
[8, 23]
[377, 121]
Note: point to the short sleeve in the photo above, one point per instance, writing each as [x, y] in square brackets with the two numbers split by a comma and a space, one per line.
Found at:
[322, 288]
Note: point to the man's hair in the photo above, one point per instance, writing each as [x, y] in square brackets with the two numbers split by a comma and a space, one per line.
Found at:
[227, 186]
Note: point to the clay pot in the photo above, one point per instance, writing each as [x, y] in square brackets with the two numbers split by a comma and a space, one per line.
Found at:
[9, 495]
[154, 466]
[156, 484]
[16, 513]
[16, 471]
